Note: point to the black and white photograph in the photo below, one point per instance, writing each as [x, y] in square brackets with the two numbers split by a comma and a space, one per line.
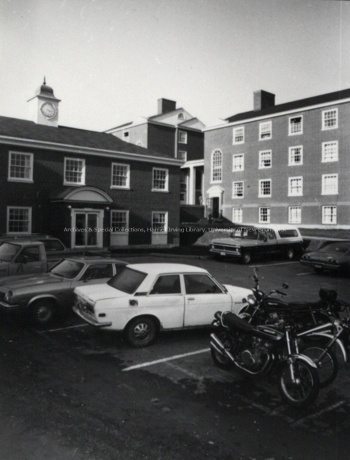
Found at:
[174, 229]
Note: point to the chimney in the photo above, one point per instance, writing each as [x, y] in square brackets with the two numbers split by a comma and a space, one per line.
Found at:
[263, 100]
[165, 106]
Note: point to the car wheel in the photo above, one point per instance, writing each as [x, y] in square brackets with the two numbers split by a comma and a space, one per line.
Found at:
[42, 311]
[246, 257]
[290, 254]
[141, 332]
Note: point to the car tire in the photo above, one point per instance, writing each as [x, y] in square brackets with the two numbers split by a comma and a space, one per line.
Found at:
[42, 312]
[141, 332]
[246, 258]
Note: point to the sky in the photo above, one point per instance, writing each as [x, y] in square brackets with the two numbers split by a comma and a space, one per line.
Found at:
[109, 61]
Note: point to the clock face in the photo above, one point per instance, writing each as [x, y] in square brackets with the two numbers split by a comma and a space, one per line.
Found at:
[48, 110]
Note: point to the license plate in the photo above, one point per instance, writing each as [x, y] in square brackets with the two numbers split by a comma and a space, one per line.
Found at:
[222, 253]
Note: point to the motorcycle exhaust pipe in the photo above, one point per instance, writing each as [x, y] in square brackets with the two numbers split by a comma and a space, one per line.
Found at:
[219, 347]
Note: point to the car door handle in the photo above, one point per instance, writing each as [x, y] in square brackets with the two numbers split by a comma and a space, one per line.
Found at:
[191, 298]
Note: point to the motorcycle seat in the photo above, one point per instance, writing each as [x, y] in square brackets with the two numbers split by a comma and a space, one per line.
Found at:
[233, 321]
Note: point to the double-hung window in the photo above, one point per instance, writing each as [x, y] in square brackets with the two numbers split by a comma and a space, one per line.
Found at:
[238, 162]
[330, 119]
[160, 180]
[329, 151]
[182, 137]
[295, 155]
[265, 159]
[264, 215]
[20, 167]
[330, 184]
[74, 171]
[294, 215]
[238, 189]
[265, 130]
[120, 221]
[120, 175]
[159, 222]
[216, 166]
[19, 219]
[295, 186]
[329, 214]
[295, 125]
[265, 188]
[238, 135]
[237, 215]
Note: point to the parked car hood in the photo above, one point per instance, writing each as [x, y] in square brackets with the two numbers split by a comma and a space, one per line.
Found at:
[25, 281]
[95, 292]
[324, 256]
[238, 293]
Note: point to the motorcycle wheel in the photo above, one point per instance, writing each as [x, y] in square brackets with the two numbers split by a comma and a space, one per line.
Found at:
[327, 366]
[304, 389]
[221, 361]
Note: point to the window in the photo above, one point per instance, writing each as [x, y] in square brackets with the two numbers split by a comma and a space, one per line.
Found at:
[216, 166]
[19, 220]
[295, 125]
[181, 116]
[182, 155]
[201, 284]
[295, 155]
[295, 186]
[237, 215]
[265, 159]
[264, 187]
[120, 176]
[160, 180]
[238, 135]
[329, 151]
[329, 214]
[120, 221]
[74, 171]
[238, 162]
[265, 130]
[20, 167]
[294, 214]
[237, 189]
[98, 271]
[167, 284]
[329, 184]
[330, 119]
[126, 135]
[182, 137]
[159, 222]
[264, 215]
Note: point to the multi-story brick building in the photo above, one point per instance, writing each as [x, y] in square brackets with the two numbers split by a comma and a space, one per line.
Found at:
[91, 189]
[176, 133]
[287, 163]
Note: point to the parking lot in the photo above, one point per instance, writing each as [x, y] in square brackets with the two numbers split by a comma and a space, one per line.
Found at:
[171, 390]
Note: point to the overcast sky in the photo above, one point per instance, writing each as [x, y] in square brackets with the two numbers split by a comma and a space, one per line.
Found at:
[109, 61]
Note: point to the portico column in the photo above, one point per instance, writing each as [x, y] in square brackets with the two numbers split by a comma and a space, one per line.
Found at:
[192, 186]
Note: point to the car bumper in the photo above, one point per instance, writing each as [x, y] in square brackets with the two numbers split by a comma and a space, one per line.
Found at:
[226, 252]
[4, 306]
[321, 265]
[89, 319]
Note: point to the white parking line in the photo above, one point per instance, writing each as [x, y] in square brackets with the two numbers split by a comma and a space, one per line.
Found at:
[164, 360]
[62, 328]
[272, 265]
[306, 273]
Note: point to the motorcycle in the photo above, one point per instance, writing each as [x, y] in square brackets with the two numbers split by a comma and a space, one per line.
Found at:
[261, 349]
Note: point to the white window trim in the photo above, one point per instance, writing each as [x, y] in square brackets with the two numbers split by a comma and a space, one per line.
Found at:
[323, 184]
[260, 194]
[290, 163]
[234, 142]
[127, 221]
[233, 188]
[240, 220]
[8, 220]
[260, 159]
[127, 186]
[212, 181]
[323, 214]
[182, 153]
[65, 182]
[290, 220]
[165, 223]
[260, 130]
[185, 135]
[327, 128]
[19, 179]
[268, 221]
[323, 151]
[161, 190]
[290, 186]
[235, 155]
[290, 125]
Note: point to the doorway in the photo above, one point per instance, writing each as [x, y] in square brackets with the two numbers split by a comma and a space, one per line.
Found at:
[87, 228]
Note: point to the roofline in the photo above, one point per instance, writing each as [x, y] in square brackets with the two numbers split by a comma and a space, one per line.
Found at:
[279, 114]
[20, 142]
[157, 123]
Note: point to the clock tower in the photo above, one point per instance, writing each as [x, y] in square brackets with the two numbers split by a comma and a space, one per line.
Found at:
[44, 106]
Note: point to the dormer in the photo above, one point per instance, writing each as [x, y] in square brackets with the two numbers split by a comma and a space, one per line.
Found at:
[44, 106]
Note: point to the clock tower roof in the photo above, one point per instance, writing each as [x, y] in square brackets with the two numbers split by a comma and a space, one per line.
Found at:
[45, 91]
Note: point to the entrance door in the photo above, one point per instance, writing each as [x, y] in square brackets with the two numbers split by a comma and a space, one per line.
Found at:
[216, 206]
[87, 227]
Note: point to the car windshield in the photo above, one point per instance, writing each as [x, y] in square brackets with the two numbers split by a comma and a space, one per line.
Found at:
[8, 251]
[127, 280]
[67, 268]
[341, 248]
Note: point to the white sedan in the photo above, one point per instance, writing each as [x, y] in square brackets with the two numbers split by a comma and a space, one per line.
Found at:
[143, 299]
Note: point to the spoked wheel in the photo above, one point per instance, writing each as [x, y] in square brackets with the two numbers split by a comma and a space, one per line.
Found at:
[301, 390]
[42, 312]
[246, 257]
[326, 362]
[141, 332]
[221, 361]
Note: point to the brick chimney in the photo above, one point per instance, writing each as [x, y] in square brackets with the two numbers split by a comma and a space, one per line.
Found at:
[263, 100]
[165, 106]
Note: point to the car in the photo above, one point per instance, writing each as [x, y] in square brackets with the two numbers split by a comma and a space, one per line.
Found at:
[332, 256]
[251, 241]
[42, 295]
[144, 299]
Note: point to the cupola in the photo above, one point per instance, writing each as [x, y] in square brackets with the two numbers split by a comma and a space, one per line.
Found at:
[44, 106]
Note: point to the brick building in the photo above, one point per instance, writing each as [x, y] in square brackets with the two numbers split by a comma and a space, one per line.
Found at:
[88, 188]
[287, 163]
[176, 133]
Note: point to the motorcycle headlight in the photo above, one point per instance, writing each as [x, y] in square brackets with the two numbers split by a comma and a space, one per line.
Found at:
[8, 296]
